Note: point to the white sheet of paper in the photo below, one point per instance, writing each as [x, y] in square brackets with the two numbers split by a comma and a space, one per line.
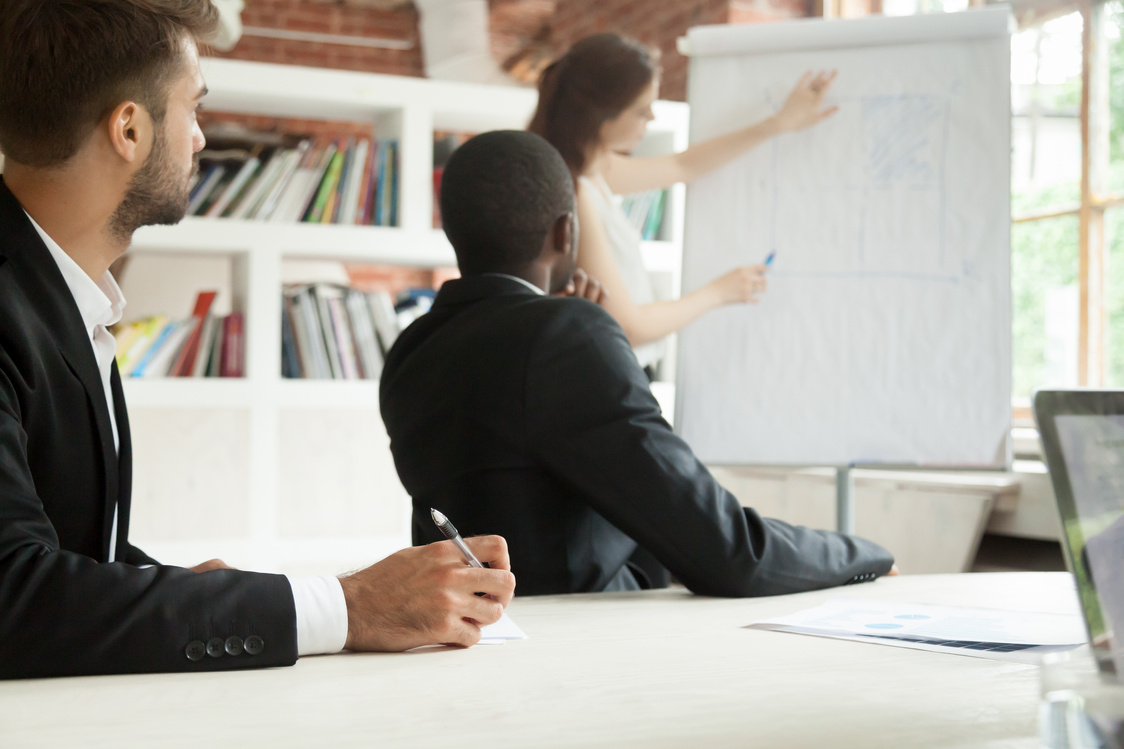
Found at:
[504, 629]
[983, 633]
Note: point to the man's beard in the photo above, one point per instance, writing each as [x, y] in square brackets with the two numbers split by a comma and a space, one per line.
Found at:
[157, 194]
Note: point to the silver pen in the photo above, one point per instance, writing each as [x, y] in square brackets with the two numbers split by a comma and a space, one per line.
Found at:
[449, 531]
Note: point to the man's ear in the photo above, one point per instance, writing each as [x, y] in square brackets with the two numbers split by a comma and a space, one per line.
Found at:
[564, 233]
[127, 128]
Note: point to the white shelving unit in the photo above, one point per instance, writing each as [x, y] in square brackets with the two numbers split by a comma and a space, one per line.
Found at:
[296, 475]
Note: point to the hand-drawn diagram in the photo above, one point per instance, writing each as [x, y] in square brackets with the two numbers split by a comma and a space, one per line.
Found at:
[878, 199]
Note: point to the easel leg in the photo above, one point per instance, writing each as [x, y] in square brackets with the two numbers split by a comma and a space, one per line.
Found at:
[844, 500]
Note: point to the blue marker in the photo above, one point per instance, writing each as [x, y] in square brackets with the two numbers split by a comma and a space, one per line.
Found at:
[769, 260]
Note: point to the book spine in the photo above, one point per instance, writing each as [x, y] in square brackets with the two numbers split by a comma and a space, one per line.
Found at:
[365, 340]
[159, 339]
[341, 327]
[232, 350]
[256, 192]
[290, 359]
[284, 183]
[319, 348]
[354, 183]
[185, 362]
[325, 319]
[380, 186]
[327, 187]
[392, 195]
[335, 200]
[206, 343]
[234, 187]
[301, 334]
[205, 193]
[163, 356]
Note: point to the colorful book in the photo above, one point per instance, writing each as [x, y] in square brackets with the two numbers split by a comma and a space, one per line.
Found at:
[158, 358]
[153, 327]
[206, 343]
[184, 363]
[335, 199]
[367, 212]
[233, 355]
[327, 185]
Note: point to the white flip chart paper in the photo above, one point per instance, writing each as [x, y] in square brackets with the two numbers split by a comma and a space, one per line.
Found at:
[885, 333]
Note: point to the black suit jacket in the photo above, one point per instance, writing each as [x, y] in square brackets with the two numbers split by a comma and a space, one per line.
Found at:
[63, 609]
[528, 416]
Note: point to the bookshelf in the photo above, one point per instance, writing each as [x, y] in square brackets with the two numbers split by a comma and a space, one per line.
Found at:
[288, 475]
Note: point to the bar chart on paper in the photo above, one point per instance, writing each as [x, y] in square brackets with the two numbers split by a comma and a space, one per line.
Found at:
[884, 336]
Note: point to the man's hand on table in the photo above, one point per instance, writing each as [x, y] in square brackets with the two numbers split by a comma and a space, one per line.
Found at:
[426, 595]
[211, 564]
[894, 572]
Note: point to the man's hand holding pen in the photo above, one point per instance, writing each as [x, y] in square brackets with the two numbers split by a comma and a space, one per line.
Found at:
[426, 595]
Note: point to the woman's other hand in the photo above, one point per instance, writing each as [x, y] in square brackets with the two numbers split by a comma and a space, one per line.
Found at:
[804, 106]
[740, 286]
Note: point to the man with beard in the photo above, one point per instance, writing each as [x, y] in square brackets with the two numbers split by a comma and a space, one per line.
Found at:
[98, 103]
[528, 415]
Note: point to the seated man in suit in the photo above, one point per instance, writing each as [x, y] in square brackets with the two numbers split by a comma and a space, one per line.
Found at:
[516, 412]
[97, 119]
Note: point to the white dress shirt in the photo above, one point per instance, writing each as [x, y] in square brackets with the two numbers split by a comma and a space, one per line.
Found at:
[320, 606]
[523, 281]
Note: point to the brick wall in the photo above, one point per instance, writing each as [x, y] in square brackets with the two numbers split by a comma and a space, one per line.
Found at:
[385, 20]
[660, 22]
[657, 23]
[515, 23]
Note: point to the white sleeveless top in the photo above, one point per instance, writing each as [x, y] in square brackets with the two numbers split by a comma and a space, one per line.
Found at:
[624, 241]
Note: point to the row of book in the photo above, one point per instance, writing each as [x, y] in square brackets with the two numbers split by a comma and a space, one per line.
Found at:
[347, 181]
[336, 332]
[645, 211]
[444, 144]
[203, 345]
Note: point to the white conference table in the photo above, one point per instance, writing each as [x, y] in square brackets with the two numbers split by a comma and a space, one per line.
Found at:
[649, 669]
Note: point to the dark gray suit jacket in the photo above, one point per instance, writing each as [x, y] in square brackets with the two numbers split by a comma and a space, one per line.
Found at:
[528, 416]
[63, 609]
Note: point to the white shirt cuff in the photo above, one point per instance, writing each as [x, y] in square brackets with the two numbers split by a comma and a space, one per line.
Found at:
[321, 614]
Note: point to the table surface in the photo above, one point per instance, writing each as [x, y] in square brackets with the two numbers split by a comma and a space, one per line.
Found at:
[650, 669]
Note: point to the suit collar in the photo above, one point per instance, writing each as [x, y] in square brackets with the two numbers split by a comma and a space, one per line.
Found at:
[100, 303]
[469, 289]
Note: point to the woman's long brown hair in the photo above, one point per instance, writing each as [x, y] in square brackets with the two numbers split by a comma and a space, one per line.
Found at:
[591, 84]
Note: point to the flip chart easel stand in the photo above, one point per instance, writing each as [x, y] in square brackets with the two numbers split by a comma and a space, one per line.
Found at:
[845, 499]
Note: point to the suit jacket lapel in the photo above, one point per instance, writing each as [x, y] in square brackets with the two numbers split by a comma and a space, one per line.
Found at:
[124, 463]
[56, 305]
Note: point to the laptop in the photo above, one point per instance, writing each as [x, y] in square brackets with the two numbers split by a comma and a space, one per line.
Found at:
[1083, 438]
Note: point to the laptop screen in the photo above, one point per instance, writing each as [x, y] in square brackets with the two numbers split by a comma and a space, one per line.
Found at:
[1090, 493]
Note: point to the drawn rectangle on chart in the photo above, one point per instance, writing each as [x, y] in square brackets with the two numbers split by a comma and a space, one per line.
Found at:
[885, 335]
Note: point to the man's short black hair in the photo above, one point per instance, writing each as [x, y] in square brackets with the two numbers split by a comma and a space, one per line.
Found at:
[501, 194]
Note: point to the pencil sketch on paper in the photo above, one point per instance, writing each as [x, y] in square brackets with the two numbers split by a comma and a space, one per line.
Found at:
[874, 179]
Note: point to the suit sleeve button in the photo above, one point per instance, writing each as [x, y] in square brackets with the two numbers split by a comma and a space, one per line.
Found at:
[195, 650]
[254, 645]
[234, 645]
[215, 647]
